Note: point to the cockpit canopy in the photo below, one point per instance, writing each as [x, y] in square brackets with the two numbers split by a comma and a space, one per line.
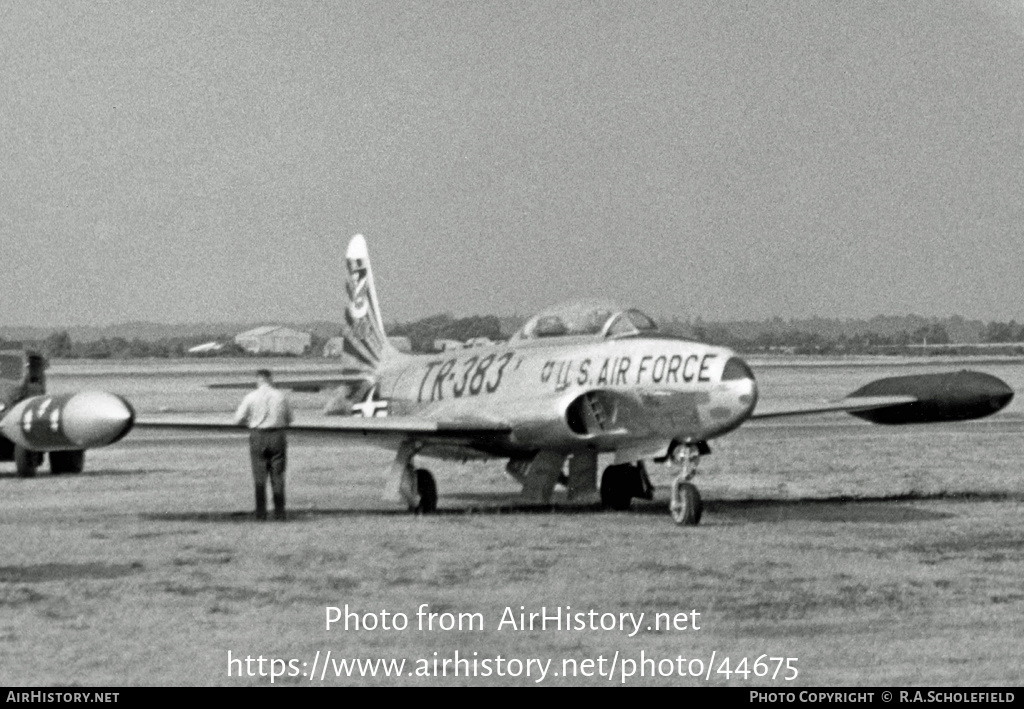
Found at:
[596, 320]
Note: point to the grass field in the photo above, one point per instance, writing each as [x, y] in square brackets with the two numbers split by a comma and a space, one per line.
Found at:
[873, 555]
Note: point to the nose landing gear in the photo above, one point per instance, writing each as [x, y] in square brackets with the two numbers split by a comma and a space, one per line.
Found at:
[686, 506]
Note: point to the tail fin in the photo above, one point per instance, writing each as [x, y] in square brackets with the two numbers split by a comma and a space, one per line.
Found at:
[365, 341]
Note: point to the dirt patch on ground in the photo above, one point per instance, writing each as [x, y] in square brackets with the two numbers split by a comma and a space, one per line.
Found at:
[41, 573]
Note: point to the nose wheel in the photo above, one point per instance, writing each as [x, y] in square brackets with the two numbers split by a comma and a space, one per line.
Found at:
[686, 506]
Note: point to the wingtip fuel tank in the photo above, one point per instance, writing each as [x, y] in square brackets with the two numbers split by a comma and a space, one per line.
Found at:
[88, 419]
[955, 396]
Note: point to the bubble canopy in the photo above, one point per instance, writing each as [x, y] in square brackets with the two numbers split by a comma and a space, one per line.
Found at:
[592, 319]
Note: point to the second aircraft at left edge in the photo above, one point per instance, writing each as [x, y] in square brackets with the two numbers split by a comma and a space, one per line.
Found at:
[64, 426]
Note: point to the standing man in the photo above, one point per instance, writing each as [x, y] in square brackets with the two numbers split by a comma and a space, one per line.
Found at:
[267, 414]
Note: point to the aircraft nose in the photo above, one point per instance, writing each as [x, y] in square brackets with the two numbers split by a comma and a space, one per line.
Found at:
[735, 371]
[96, 418]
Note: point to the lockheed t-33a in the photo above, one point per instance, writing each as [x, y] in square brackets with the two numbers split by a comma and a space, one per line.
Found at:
[576, 381]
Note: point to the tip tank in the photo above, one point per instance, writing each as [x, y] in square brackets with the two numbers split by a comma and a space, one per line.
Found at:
[948, 396]
[88, 419]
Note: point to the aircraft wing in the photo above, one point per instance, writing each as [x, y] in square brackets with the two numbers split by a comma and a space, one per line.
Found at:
[913, 398]
[385, 430]
[663, 412]
[848, 405]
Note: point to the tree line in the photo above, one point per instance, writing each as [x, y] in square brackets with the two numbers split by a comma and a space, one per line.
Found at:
[935, 337]
[424, 333]
[61, 346]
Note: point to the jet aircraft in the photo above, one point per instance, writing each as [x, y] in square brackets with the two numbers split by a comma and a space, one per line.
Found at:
[576, 381]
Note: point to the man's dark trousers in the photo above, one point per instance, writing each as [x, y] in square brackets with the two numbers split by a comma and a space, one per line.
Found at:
[268, 449]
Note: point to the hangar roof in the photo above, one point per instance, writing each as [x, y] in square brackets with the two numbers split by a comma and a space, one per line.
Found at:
[267, 329]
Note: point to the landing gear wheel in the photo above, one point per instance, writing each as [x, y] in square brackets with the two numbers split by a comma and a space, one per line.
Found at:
[26, 462]
[427, 489]
[617, 486]
[67, 462]
[686, 506]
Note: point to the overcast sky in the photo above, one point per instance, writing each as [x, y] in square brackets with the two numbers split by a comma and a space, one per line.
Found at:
[200, 162]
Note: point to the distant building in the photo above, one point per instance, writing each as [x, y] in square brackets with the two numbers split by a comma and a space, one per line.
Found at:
[334, 347]
[401, 343]
[274, 339]
[443, 345]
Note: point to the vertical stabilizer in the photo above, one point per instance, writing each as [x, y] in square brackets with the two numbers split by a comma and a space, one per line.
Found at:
[366, 345]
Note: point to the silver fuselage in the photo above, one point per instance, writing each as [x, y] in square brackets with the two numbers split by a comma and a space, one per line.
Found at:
[569, 394]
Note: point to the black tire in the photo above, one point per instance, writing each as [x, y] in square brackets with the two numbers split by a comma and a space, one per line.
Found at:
[26, 462]
[691, 507]
[427, 489]
[618, 483]
[67, 462]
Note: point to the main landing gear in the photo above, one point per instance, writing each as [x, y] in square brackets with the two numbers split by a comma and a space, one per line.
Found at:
[686, 506]
[27, 462]
[67, 462]
[621, 483]
[416, 486]
[427, 489]
[418, 490]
